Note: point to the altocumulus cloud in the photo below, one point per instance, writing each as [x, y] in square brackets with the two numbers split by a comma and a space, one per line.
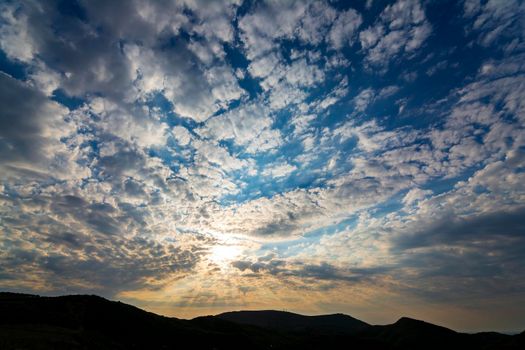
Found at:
[201, 156]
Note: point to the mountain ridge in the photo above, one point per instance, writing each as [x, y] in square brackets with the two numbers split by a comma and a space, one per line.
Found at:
[289, 321]
[91, 322]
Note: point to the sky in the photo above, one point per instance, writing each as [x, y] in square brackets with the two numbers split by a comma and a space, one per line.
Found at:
[192, 157]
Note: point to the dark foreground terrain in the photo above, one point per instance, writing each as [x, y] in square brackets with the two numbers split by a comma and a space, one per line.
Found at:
[91, 322]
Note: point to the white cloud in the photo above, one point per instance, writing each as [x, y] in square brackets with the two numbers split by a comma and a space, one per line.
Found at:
[316, 22]
[219, 156]
[363, 99]
[300, 73]
[133, 125]
[194, 93]
[15, 40]
[367, 96]
[45, 79]
[247, 125]
[308, 21]
[286, 83]
[285, 94]
[278, 170]
[407, 30]
[370, 36]
[403, 13]
[267, 140]
[497, 20]
[182, 135]
[207, 52]
[224, 86]
[269, 21]
[301, 123]
[264, 65]
[415, 195]
[214, 20]
[344, 28]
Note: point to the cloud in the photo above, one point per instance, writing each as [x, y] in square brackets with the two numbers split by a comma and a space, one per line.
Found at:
[401, 29]
[31, 129]
[415, 195]
[279, 170]
[220, 156]
[267, 22]
[363, 99]
[182, 135]
[452, 230]
[344, 28]
[140, 263]
[315, 24]
[129, 123]
[15, 40]
[309, 21]
[307, 272]
[132, 71]
[195, 93]
[496, 21]
[285, 83]
[214, 20]
[248, 126]
[134, 148]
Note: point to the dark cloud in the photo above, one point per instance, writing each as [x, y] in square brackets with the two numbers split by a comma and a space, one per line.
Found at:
[124, 160]
[103, 266]
[308, 272]
[463, 275]
[478, 229]
[69, 239]
[97, 216]
[26, 114]
[86, 246]
[462, 259]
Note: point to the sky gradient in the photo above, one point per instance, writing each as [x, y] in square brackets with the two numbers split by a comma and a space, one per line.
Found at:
[192, 157]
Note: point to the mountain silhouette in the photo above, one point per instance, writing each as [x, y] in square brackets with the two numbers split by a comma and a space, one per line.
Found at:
[287, 321]
[91, 322]
[408, 333]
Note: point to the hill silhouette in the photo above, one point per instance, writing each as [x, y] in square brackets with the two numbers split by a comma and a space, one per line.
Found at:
[92, 322]
[408, 333]
[288, 321]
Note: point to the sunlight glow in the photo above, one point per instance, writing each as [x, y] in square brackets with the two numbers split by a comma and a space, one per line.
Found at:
[222, 255]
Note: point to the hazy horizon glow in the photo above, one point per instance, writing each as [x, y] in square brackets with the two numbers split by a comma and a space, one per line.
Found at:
[192, 157]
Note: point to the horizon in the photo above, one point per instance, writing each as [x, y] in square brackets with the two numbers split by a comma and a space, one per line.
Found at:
[508, 332]
[191, 157]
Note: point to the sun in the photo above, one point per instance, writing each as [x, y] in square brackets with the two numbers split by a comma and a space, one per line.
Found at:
[223, 254]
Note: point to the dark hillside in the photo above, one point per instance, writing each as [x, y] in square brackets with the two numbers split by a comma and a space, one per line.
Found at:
[287, 321]
[92, 322]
